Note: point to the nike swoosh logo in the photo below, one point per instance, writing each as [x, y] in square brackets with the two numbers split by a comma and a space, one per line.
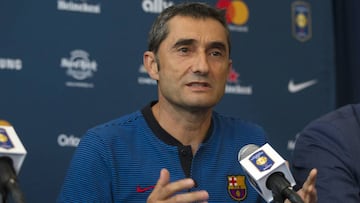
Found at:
[141, 190]
[294, 88]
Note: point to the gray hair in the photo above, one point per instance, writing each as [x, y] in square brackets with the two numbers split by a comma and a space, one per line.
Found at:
[159, 29]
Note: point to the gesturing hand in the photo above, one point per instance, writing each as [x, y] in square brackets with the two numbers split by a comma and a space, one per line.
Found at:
[164, 191]
[308, 191]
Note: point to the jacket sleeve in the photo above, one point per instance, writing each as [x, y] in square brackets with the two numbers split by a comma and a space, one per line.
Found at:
[88, 178]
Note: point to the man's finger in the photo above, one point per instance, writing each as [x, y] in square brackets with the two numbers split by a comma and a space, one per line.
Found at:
[164, 189]
[163, 179]
[196, 196]
[308, 190]
[311, 179]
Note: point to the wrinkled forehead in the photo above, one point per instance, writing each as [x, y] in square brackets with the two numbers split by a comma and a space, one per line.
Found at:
[198, 29]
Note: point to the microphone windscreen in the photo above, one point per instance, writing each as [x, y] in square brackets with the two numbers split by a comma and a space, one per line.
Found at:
[4, 123]
[246, 151]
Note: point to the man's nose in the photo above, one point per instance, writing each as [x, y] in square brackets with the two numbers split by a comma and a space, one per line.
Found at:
[201, 65]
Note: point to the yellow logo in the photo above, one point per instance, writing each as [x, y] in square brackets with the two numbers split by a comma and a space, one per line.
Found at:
[3, 138]
[261, 160]
[301, 21]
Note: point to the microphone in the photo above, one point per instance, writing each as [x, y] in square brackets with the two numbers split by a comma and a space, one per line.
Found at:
[12, 155]
[268, 173]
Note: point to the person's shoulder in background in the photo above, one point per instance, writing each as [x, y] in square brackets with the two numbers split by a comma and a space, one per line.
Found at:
[331, 144]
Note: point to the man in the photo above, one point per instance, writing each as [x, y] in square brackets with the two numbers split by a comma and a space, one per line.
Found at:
[332, 145]
[179, 136]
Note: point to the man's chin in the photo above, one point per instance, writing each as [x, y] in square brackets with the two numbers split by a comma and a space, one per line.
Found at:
[200, 106]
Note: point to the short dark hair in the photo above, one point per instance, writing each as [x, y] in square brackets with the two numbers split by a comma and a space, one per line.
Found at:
[159, 29]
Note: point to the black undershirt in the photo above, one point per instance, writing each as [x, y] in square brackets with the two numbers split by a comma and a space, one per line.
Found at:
[185, 151]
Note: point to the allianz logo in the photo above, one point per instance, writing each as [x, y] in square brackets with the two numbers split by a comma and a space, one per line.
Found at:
[10, 64]
[64, 140]
[155, 6]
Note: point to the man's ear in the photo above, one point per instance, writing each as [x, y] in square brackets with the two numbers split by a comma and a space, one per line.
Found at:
[150, 64]
[229, 67]
[230, 64]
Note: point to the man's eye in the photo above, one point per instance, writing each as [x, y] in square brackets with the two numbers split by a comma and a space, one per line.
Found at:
[216, 53]
[183, 49]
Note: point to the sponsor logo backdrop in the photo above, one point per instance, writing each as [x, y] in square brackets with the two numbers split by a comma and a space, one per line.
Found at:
[68, 65]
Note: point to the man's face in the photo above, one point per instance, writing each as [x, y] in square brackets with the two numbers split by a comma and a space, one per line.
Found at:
[194, 63]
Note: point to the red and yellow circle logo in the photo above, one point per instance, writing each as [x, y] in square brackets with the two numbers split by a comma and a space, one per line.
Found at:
[237, 11]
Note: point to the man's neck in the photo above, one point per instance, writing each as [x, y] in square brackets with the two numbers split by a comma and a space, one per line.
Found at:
[189, 128]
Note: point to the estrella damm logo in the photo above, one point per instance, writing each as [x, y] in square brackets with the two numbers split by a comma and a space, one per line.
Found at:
[233, 76]
[301, 21]
[236, 187]
[261, 161]
[5, 141]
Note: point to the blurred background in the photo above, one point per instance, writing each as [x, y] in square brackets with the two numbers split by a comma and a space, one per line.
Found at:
[68, 65]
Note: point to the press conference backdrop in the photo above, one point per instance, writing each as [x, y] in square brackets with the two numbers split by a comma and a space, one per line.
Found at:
[68, 65]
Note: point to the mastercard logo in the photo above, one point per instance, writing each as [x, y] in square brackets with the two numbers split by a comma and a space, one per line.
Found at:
[237, 11]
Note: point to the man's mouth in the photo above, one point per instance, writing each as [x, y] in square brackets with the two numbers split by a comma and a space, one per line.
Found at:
[198, 84]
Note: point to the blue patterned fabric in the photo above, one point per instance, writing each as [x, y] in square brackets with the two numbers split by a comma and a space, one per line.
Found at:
[120, 161]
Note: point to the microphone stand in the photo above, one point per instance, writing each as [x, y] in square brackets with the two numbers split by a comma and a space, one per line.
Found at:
[281, 191]
[8, 181]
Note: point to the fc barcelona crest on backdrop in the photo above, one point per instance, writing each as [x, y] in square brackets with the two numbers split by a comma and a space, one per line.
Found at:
[237, 187]
[301, 21]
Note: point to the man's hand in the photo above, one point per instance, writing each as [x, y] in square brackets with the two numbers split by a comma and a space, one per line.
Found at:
[164, 191]
[308, 191]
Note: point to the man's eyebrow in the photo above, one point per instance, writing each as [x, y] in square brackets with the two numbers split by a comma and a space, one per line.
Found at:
[182, 42]
[215, 44]
[219, 45]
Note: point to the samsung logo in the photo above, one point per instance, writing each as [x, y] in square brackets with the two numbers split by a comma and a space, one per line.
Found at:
[10, 64]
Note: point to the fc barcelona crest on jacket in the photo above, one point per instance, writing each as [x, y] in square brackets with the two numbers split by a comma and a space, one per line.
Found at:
[237, 187]
[301, 21]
